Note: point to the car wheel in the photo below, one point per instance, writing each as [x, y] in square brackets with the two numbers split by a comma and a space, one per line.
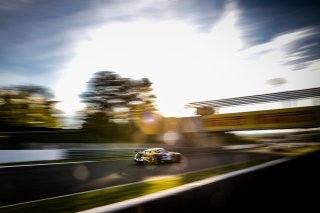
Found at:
[178, 159]
[154, 160]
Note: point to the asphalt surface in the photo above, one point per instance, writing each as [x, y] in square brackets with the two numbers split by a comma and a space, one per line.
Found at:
[22, 184]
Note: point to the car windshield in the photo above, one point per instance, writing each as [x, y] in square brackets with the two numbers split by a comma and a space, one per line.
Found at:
[161, 150]
[146, 151]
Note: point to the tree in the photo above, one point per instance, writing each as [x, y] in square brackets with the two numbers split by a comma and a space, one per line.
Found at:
[27, 106]
[115, 105]
[119, 99]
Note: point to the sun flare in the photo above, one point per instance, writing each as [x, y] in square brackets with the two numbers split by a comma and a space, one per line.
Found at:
[184, 63]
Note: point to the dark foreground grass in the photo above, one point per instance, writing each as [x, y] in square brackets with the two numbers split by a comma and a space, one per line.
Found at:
[84, 201]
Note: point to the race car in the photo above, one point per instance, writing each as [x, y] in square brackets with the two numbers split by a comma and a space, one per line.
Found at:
[156, 156]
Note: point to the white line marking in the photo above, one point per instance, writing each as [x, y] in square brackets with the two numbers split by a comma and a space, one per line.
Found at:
[50, 164]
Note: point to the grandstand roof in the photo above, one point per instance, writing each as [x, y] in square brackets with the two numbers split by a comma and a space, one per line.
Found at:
[257, 99]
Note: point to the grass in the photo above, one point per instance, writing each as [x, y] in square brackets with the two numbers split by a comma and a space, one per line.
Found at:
[298, 151]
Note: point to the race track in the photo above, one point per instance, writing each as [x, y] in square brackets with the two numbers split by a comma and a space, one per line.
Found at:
[21, 184]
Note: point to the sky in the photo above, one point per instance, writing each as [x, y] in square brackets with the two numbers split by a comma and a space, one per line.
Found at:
[192, 50]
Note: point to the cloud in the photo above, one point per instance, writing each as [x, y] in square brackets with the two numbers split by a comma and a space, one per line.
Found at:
[169, 51]
[262, 21]
[305, 51]
[38, 37]
[35, 37]
[12, 5]
[44, 38]
[203, 64]
[277, 81]
[298, 49]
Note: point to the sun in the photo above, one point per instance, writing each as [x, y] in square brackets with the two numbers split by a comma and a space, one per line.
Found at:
[184, 63]
[175, 56]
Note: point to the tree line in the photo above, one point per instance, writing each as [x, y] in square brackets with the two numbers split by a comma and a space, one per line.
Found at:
[115, 106]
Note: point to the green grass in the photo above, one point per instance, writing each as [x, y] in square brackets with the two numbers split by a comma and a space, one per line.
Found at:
[299, 151]
[83, 201]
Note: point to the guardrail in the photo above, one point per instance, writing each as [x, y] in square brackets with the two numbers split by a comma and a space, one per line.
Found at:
[15, 156]
[129, 152]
